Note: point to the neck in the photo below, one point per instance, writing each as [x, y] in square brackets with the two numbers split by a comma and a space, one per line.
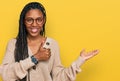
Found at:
[36, 38]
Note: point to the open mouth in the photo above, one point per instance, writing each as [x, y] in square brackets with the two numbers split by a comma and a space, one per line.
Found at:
[34, 30]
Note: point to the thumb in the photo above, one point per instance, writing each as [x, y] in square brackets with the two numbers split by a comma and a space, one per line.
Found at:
[42, 43]
[82, 52]
[41, 46]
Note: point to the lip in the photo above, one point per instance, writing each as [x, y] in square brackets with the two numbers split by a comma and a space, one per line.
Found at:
[34, 30]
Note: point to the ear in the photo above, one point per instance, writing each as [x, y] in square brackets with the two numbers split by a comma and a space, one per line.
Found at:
[44, 20]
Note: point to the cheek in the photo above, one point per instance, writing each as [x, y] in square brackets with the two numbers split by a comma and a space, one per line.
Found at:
[27, 27]
[40, 26]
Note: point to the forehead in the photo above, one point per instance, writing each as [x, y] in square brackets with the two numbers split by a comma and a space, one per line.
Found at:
[34, 13]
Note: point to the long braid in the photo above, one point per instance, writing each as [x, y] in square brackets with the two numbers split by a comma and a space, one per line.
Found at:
[21, 49]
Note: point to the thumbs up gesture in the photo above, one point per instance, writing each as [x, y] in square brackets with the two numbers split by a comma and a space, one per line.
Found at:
[43, 54]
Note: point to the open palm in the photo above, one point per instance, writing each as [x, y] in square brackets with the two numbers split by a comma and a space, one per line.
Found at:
[88, 55]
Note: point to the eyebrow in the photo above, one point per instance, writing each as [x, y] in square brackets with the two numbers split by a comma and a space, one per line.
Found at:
[33, 18]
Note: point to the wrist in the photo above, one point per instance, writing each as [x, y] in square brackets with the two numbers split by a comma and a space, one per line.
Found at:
[34, 60]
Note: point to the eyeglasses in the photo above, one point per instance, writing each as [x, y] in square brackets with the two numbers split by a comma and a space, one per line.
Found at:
[30, 21]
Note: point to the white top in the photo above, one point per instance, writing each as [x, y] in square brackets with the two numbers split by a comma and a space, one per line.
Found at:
[51, 70]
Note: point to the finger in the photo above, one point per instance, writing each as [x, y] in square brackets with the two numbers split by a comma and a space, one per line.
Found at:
[47, 56]
[83, 50]
[40, 47]
[48, 49]
[96, 52]
[48, 53]
[92, 53]
[42, 43]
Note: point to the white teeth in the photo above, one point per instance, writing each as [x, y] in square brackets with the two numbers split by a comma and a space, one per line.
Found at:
[34, 30]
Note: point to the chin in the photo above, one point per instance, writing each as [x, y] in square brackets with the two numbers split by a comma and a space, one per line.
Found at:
[34, 34]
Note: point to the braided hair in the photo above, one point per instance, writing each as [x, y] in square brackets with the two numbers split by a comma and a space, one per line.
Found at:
[21, 48]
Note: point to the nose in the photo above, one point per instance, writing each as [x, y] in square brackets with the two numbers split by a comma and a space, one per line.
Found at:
[34, 23]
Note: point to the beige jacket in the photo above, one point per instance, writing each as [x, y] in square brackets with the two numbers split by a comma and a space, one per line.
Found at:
[51, 70]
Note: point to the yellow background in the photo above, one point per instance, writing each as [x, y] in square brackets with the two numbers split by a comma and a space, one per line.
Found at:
[75, 24]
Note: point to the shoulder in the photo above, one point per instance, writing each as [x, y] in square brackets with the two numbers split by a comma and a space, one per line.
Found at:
[53, 45]
[52, 42]
[11, 42]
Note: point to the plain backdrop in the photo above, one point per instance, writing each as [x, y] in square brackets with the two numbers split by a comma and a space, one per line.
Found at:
[75, 25]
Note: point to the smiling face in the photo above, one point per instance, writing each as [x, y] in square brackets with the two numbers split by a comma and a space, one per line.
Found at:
[34, 21]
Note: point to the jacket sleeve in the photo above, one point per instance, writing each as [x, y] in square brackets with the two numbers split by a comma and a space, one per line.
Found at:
[61, 73]
[11, 70]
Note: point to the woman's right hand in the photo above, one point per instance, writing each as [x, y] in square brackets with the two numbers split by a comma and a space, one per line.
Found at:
[43, 54]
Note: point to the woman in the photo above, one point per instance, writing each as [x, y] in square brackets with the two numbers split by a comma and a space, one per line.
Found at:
[33, 57]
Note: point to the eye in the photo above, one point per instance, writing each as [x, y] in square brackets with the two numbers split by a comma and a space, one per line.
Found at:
[29, 20]
[39, 19]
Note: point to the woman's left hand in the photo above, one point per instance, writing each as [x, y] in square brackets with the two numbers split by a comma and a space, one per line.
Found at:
[88, 55]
